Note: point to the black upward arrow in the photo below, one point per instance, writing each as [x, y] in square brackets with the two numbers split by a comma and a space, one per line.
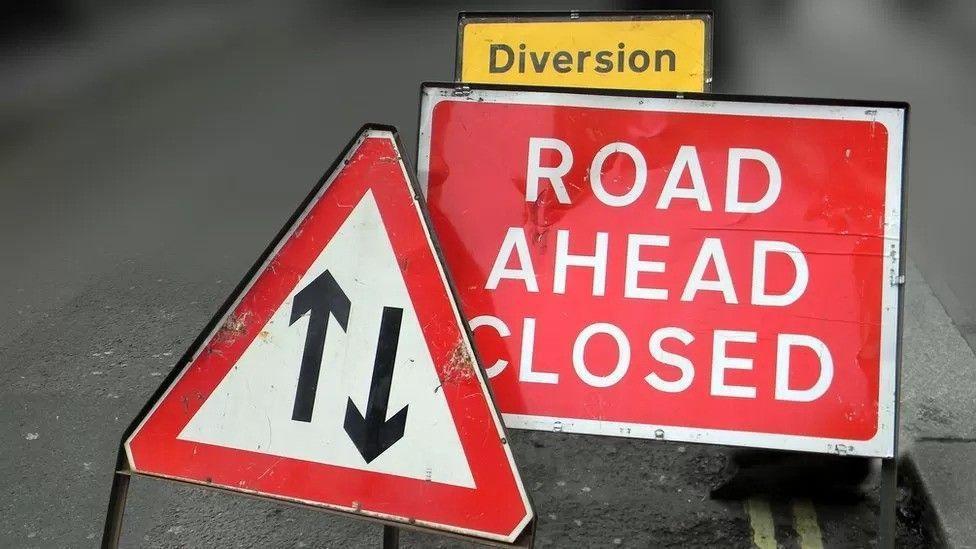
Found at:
[373, 434]
[320, 298]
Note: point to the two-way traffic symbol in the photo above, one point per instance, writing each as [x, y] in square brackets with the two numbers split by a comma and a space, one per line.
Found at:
[372, 433]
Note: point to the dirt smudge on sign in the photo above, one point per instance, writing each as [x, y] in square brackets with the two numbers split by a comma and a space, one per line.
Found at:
[234, 327]
[459, 365]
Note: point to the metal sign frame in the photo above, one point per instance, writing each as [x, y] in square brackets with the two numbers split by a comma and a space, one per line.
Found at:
[889, 461]
[123, 472]
[706, 16]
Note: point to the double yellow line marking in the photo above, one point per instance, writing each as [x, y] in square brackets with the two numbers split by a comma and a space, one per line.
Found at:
[804, 522]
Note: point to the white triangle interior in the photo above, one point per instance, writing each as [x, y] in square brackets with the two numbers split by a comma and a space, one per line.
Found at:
[251, 408]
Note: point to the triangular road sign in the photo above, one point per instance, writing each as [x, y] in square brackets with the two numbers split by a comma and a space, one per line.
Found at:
[340, 373]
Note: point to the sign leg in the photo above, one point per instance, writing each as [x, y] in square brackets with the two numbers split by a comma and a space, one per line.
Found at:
[391, 537]
[887, 525]
[116, 508]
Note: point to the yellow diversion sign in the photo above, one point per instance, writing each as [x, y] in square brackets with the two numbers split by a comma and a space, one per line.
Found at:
[650, 51]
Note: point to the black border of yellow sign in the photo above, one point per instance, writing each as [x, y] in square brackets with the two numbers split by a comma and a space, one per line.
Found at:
[707, 17]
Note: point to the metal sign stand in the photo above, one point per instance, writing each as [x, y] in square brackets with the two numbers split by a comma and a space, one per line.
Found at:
[112, 532]
[887, 521]
[116, 509]
[391, 537]
[888, 496]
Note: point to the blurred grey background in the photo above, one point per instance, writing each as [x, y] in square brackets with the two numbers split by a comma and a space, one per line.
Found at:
[121, 123]
[150, 150]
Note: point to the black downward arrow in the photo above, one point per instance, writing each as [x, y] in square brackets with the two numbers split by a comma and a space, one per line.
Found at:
[320, 298]
[373, 434]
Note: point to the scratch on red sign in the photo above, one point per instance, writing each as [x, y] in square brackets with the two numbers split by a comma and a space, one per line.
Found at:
[185, 399]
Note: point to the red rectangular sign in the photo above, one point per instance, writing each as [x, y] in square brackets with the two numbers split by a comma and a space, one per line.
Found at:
[700, 269]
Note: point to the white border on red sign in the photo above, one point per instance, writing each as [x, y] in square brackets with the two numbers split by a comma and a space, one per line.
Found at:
[893, 119]
[529, 514]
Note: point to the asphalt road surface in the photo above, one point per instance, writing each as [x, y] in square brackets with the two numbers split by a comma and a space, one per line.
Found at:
[150, 159]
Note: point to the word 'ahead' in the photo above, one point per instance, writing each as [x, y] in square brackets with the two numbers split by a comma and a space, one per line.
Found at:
[697, 270]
